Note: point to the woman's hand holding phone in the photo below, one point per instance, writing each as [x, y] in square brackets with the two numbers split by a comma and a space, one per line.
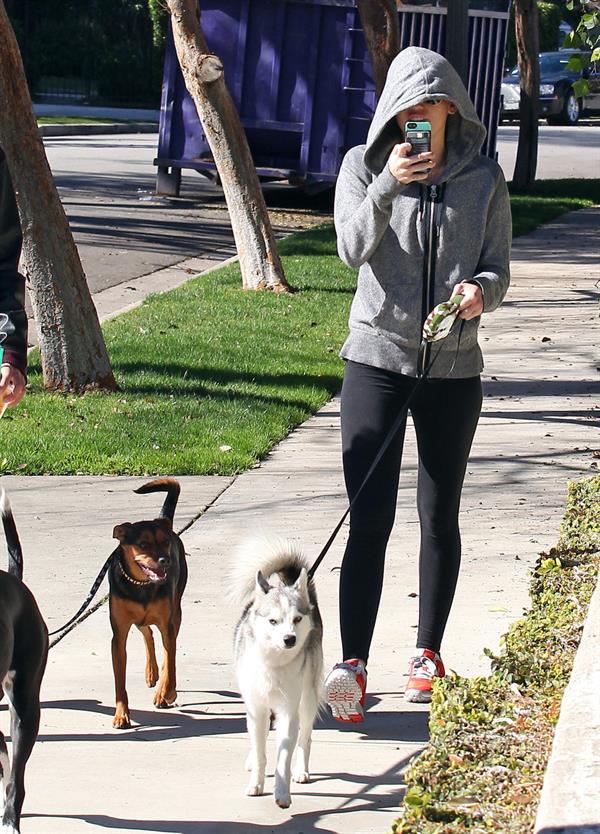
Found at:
[407, 169]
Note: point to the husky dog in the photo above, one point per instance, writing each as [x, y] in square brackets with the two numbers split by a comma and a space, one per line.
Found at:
[278, 659]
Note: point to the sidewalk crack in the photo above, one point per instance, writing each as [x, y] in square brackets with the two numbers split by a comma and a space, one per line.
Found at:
[203, 510]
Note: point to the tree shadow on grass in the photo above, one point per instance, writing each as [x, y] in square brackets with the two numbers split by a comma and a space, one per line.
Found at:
[186, 381]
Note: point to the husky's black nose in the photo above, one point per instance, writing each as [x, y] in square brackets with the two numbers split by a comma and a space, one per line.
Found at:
[289, 640]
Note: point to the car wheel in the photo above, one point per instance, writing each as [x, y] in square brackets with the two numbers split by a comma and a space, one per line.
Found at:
[571, 110]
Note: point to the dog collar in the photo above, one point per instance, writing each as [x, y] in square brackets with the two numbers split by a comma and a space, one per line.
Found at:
[130, 579]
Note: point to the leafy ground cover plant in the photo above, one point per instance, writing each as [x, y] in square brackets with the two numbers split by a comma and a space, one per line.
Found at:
[491, 736]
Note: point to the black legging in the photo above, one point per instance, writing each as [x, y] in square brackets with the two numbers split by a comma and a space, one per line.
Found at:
[445, 414]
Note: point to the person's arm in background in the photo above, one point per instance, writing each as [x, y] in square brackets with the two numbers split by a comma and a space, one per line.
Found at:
[13, 318]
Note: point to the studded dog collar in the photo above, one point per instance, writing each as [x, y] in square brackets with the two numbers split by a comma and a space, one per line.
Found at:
[130, 579]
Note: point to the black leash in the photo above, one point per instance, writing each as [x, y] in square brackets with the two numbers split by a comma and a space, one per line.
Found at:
[70, 628]
[70, 624]
[384, 446]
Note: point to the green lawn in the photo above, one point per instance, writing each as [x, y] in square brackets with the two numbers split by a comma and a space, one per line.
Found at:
[82, 120]
[201, 368]
[552, 198]
[211, 377]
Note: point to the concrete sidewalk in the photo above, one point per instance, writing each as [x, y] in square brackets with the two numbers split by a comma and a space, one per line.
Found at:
[536, 432]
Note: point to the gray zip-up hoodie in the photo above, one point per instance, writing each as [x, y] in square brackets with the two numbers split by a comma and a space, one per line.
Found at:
[384, 227]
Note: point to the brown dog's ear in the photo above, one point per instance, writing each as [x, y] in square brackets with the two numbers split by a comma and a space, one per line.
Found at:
[120, 532]
[166, 524]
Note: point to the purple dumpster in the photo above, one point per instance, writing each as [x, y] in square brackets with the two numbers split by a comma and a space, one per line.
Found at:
[300, 75]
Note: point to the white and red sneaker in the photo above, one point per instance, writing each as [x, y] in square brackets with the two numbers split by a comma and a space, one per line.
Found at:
[345, 688]
[422, 670]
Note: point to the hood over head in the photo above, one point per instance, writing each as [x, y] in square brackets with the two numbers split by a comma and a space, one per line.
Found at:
[416, 74]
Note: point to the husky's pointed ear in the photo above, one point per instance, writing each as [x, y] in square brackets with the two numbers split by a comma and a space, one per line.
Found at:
[301, 584]
[262, 584]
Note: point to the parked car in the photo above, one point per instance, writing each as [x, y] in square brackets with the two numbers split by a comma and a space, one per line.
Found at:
[558, 102]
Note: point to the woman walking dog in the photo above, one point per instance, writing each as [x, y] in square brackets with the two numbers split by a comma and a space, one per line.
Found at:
[421, 228]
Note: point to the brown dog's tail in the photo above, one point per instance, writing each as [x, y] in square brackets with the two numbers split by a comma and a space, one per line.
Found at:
[13, 544]
[168, 485]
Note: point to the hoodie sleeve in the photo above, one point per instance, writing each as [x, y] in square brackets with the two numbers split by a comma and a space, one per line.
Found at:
[363, 207]
[493, 270]
[13, 319]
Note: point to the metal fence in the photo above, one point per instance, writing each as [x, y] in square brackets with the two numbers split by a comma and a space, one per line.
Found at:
[88, 51]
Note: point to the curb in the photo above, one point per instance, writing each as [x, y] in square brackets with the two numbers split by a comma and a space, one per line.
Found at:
[570, 799]
[97, 129]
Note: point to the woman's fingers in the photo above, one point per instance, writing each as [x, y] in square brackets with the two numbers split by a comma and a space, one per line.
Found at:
[407, 168]
[472, 304]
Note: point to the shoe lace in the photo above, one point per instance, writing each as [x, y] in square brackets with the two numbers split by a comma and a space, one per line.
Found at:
[422, 667]
[356, 669]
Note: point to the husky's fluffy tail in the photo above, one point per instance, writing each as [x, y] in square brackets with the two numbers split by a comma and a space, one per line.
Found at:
[13, 545]
[269, 555]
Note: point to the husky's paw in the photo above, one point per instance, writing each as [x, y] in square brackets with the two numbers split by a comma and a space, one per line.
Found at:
[254, 790]
[283, 799]
[301, 776]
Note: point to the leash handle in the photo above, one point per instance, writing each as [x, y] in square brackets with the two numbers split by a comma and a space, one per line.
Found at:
[90, 596]
[388, 439]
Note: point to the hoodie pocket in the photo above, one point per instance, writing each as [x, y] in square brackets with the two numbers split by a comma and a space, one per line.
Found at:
[389, 316]
[398, 323]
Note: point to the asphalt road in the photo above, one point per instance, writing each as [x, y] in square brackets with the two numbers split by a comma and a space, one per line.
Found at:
[563, 152]
[124, 231]
[121, 229]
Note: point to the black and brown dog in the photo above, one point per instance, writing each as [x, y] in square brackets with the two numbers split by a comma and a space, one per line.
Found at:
[23, 655]
[147, 578]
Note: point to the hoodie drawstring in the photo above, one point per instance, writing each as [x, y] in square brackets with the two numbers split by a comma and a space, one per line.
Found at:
[433, 222]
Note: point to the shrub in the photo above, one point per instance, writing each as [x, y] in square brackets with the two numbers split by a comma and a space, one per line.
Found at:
[490, 737]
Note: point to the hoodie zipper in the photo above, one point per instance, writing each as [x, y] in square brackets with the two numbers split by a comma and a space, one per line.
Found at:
[434, 194]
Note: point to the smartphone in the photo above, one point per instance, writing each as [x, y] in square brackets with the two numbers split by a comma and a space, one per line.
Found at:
[419, 136]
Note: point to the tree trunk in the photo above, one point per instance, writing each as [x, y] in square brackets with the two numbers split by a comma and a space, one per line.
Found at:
[527, 37]
[74, 356]
[203, 74]
[379, 20]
